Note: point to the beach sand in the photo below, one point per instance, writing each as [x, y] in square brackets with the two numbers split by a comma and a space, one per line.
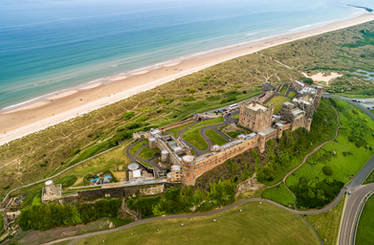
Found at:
[43, 113]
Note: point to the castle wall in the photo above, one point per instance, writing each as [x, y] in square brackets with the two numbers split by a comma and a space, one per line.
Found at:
[192, 172]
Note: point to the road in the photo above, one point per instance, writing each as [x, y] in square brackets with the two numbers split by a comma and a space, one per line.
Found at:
[352, 212]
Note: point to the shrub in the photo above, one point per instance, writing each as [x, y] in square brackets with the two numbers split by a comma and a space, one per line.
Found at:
[128, 115]
[327, 170]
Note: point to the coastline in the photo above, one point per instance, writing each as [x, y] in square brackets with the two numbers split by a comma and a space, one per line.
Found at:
[45, 111]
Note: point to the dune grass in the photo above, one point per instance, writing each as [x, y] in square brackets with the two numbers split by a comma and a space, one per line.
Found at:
[256, 224]
[280, 194]
[215, 137]
[365, 231]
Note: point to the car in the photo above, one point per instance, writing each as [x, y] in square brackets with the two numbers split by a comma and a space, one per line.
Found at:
[349, 192]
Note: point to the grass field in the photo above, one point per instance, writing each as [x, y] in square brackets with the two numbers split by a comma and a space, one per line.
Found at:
[283, 90]
[277, 101]
[215, 137]
[193, 134]
[291, 94]
[343, 157]
[327, 224]
[136, 147]
[365, 231]
[148, 153]
[175, 131]
[370, 178]
[256, 224]
[280, 194]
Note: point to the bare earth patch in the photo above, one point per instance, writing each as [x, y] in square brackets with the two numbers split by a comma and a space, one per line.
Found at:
[321, 77]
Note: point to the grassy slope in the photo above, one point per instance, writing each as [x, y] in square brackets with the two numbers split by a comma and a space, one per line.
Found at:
[208, 89]
[277, 101]
[327, 224]
[332, 154]
[215, 137]
[365, 231]
[257, 224]
[280, 194]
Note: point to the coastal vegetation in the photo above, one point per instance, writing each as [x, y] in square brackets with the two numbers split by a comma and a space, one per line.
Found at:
[41, 154]
[365, 231]
[249, 223]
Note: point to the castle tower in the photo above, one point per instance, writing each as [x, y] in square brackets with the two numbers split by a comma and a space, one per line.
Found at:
[256, 116]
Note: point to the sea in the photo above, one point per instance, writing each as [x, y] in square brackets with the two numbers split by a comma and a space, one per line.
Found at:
[51, 45]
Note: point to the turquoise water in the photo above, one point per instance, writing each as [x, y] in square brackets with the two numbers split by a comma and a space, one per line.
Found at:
[49, 45]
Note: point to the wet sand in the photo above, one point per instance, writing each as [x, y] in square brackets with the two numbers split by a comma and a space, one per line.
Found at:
[59, 107]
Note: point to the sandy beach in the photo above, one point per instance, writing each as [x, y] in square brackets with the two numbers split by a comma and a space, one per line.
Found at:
[58, 107]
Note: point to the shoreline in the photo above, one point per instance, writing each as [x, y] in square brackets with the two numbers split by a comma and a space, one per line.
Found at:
[28, 117]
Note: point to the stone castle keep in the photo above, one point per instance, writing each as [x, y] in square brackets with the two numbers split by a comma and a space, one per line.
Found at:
[255, 116]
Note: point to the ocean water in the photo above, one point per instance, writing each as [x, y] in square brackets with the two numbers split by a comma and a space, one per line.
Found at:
[49, 45]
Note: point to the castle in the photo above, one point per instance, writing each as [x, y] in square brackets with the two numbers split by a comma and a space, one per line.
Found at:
[254, 115]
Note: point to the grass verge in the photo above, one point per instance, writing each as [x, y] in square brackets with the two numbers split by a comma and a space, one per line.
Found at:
[365, 231]
[256, 224]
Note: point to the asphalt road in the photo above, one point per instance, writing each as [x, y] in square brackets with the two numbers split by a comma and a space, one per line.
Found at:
[352, 212]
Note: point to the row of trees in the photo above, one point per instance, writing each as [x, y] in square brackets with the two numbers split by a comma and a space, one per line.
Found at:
[185, 199]
[46, 216]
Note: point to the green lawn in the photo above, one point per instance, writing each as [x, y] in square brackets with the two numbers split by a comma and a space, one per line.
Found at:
[193, 134]
[256, 224]
[148, 153]
[370, 178]
[277, 101]
[283, 90]
[175, 131]
[327, 224]
[215, 137]
[291, 94]
[365, 231]
[136, 147]
[236, 116]
[280, 194]
[234, 134]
